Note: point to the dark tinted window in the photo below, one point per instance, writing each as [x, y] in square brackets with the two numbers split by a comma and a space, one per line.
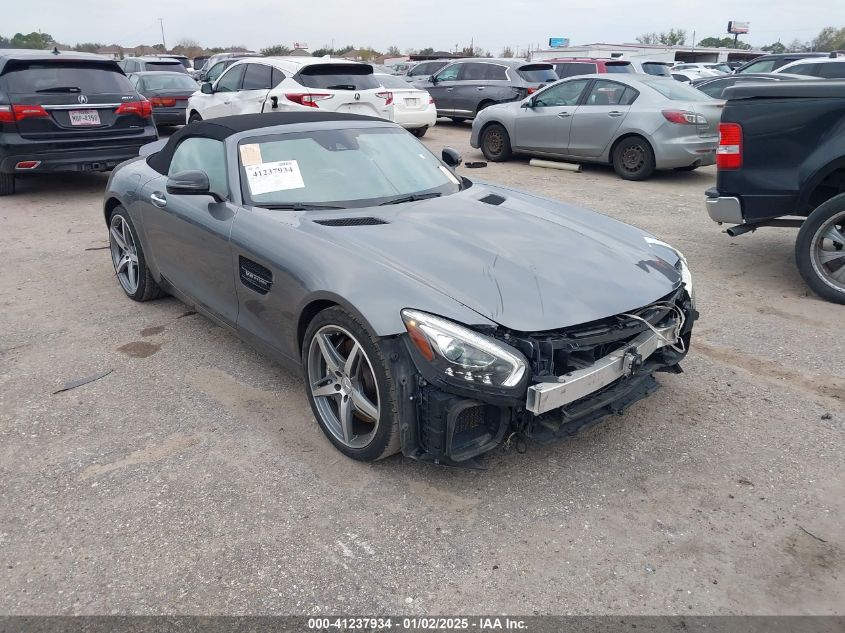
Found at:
[278, 77]
[537, 74]
[338, 77]
[608, 93]
[618, 67]
[175, 67]
[72, 77]
[763, 66]
[716, 88]
[258, 77]
[570, 69]
[497, 73]
[562, 94]
[231, 79]
[832, 70]
[656, 69]
[426, 68]
[473, 71]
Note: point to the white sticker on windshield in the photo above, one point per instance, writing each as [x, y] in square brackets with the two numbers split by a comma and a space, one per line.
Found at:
[279, 176]
[449, 174]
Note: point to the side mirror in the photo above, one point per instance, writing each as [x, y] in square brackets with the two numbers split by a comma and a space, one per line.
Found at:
[433, 79]
[528, 103]
[190, 183]
[206, 88]
[451, 157]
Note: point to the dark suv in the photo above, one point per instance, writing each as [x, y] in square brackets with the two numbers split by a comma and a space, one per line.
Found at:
[464, 88]
[67, 112]
[770, 63]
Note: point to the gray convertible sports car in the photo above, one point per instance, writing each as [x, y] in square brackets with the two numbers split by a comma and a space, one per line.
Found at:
[431, 314]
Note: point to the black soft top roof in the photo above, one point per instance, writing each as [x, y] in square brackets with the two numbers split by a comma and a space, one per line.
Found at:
[222, 128]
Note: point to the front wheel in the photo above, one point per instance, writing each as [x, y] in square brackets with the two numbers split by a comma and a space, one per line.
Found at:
[495, 143]
[419, 132]
[820, 250]
[349, 386]
[633, 159]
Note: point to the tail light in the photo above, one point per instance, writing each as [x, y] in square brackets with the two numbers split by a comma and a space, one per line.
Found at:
[163, 102]
[6, 114]
[143, 108]
[28, 112]
[682, 117]
[387, 96]
[531, 91]
[729, 152]
[308, 99]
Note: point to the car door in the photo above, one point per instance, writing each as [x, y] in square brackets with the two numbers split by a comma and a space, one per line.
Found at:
[225, 91]
[544, 125]
[442, 87]
[189, 234]
[469, 89]
[257, 81]
[599, 116]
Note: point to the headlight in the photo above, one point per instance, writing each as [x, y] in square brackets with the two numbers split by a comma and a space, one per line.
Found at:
[461, 353]
[682, 266]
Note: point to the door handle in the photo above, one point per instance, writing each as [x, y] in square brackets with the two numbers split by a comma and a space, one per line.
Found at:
[563, 115]
[158, 199]
[615, 113]
[480, 88]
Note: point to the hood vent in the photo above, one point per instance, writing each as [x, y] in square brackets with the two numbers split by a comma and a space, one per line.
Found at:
[492, 199]
[351, 222]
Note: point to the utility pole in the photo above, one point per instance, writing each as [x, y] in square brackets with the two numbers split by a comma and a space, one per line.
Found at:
[161, 24]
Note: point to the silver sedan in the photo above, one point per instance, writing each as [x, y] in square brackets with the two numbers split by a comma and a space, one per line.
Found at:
[637, 123]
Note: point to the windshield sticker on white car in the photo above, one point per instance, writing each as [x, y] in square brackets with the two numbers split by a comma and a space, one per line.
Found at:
[251, 154]
[449, 175]
[278, 176]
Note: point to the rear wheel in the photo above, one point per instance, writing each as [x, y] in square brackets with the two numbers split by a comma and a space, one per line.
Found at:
[130, 265]
[496, 143]
[633, 159]
[7, 184]
[820, 250]
[349, 386]
[419, 132]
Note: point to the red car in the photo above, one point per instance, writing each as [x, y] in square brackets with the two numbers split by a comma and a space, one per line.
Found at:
[571, 66]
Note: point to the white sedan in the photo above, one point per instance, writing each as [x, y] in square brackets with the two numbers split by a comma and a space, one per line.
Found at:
[411, 108]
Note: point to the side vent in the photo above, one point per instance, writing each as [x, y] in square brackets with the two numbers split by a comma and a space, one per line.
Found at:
[492, 199]
[351, 222]
[255, 276]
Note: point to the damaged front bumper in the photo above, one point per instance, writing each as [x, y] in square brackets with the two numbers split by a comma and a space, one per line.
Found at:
[577, 377]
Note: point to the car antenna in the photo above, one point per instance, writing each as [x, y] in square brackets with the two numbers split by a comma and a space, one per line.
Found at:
[55, 50]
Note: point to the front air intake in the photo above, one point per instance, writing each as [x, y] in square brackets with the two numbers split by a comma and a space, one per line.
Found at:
[351, 221]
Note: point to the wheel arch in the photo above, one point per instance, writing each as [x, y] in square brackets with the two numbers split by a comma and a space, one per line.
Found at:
[622, 137]
[826, 183]
[318, 302]
[111, 204]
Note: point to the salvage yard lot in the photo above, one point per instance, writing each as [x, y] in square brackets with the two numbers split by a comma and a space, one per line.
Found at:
[194, 479]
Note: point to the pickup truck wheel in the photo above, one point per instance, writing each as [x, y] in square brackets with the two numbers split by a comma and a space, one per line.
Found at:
[7, 184]
[820, 250]
[349, 386]
[633, 159]
[495, 143]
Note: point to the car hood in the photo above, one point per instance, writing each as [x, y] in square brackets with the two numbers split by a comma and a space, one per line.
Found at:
[526, 263]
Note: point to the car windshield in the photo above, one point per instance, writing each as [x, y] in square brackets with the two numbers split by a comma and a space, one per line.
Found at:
[391, 81]
[81, 77]
[677, 91]
[537, 74]
[340, 168]
[170, 81]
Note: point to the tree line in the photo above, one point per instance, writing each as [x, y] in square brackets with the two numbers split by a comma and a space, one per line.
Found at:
[829, 39]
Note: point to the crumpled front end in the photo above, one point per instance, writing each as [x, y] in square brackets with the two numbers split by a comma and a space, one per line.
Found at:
[573, 377]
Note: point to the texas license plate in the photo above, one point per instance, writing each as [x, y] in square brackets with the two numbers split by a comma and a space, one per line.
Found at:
[84, 117]
[413, 103]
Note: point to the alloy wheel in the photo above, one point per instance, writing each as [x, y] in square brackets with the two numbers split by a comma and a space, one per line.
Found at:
[828, 252]
[124, 254]
[343, 385]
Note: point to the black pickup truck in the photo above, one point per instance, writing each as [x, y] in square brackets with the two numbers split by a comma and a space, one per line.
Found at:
[781, 162]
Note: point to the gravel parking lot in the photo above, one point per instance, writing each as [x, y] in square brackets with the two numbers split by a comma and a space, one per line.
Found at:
[193, 478]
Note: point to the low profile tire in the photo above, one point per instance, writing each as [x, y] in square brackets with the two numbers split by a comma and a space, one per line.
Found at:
[633, 159]
[7, 184]
[820, 250]
[130, 265]
[496, 143]
[194, 117]
[419, 132]
[349, 386]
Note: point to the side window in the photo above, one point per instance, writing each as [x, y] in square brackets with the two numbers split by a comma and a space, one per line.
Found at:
[231, 79]
[763, 66]
[562, 94]
[473, 71]
[450, 73]
[135, 81]
[278, 77]
[202, 154]
[832, 70]
[606, 93]
[215, 71]
[715, 88]
[496, 73]
[801, 69]
[257, 77]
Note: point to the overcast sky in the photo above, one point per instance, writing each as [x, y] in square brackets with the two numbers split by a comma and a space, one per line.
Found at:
[410, 24]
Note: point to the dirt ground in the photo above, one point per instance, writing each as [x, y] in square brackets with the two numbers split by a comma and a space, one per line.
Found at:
[193, 478]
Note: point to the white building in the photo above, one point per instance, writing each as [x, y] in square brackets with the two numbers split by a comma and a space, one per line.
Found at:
[651, 52]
